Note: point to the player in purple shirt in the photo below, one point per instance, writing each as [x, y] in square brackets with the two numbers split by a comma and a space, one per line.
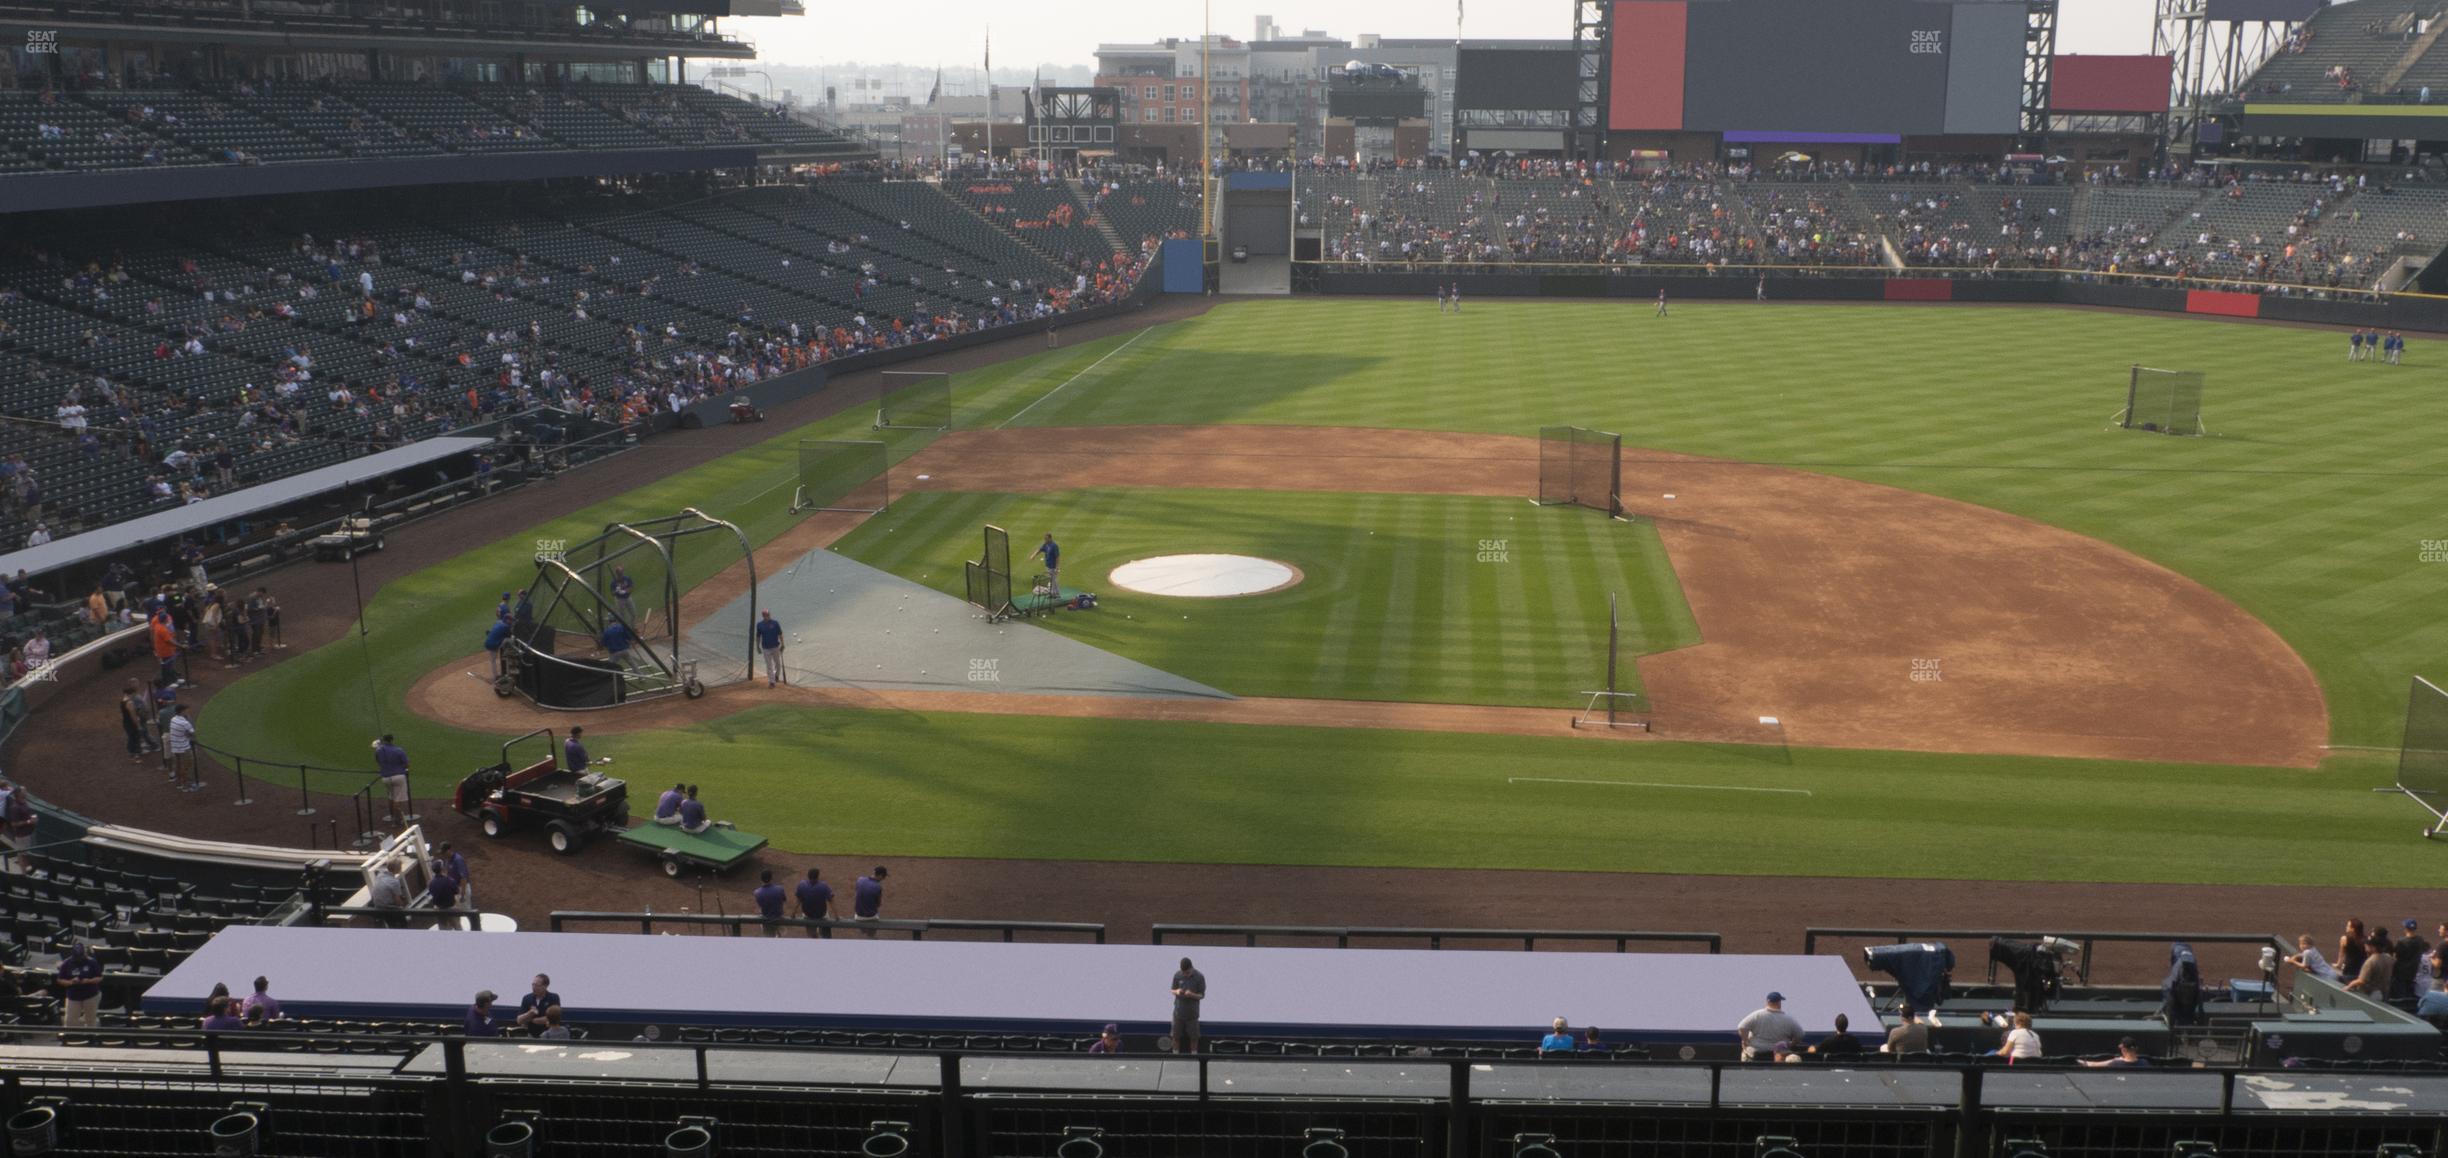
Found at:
[692, 813]
[815, 899]
[867, 897]
[769, 901]
[667, 809]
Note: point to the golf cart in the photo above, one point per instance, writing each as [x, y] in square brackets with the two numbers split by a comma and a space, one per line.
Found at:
[353, 537]
[570, 804]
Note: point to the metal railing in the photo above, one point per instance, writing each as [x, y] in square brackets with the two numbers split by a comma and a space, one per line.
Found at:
[738, 925]
[1435, 937]
[459, 1101]
[2089, 940]
[421, 917]
[238, 764]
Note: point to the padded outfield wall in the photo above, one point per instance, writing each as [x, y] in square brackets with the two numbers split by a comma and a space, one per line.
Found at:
[2420, 313]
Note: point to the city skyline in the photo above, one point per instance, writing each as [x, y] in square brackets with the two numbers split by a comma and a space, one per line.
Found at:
[955, 34]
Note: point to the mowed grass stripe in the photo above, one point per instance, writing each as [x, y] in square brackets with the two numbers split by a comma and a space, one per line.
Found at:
[1913, 398]
[1396, 603]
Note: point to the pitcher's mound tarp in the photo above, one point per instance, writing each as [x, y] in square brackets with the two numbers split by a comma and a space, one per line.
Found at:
[851, 625]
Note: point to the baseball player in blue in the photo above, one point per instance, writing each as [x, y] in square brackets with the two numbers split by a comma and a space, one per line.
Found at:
[769, 641]
[622, 588]
[1051, 552]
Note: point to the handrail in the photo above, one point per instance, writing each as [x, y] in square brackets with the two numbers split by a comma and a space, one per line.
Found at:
[2088, 939]
[736, 925]
[1436, 937]
[420, 915]
[1859, 272]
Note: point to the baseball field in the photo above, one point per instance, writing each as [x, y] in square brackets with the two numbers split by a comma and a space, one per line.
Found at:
[1999, 639]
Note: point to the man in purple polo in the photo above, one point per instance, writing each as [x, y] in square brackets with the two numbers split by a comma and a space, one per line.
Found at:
[815, 900]
[769, 900]
[867, 897]
[391, 763]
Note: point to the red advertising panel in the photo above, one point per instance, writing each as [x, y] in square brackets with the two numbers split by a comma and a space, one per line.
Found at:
[2111, 84]
[1645, 84]
[2224, 304]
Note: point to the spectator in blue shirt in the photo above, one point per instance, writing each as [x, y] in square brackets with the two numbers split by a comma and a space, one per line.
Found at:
[769, 901]
[693, 814]
[1558, 1042]
[815, 899]
[480, 1016]
[532, 1008]
[2434, 1005]
[79, 978]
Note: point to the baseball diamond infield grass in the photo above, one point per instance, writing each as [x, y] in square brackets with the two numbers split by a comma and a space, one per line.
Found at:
[1402, 597]
[2312, 508]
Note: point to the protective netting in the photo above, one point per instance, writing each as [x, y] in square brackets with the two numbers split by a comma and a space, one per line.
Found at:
[2422, 761]
[1581, 467]
[914, 400]
[989, 576]
[2164, 401]
[843, 476]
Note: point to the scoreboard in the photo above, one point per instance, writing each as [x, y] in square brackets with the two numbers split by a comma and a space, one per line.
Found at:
[1872, 68]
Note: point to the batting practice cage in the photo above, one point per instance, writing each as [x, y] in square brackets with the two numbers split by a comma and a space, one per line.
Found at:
[604, 621]
[1581, 467]
[914, 400]
[2422, 760]
[2163, 401]
[989, 576]
[842, 476]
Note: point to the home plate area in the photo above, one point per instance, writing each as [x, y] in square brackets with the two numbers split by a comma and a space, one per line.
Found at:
[850, 625]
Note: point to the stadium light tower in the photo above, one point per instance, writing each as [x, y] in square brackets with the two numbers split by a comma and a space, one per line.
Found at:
[2213, 57]
[1206, 127]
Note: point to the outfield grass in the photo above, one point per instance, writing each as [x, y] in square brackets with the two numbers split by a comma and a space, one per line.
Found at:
[910, 784]
[2309, 507]
[1399, 600]
[2310, 510]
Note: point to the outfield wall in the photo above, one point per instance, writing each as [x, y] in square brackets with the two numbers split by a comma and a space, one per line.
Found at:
[2391, 312]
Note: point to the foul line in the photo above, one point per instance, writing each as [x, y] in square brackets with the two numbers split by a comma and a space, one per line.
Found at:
[1647, 784]
[1074, 378]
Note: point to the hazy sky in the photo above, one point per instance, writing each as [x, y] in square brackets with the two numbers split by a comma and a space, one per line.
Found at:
[951, 32]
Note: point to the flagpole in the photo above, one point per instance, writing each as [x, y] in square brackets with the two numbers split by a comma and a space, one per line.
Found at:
[990, 100]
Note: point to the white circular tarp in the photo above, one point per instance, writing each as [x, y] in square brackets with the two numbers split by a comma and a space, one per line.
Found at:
[1204, 576]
